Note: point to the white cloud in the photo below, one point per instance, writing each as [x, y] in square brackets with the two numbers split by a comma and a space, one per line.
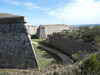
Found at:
[12, 2]
[79, 12]
[15, 3]
[30, 5]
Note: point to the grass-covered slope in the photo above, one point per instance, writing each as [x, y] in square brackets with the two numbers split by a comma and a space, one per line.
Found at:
[45, 58]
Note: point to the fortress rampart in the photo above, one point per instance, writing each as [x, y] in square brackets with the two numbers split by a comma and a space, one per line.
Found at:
[69, 46]
[15, 46]
[44, 30]
[31, 29]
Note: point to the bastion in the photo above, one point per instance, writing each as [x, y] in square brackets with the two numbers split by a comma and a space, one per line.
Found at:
[44, 30]
[16, 50]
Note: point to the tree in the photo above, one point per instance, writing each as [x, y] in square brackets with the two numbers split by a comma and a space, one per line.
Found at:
[91, 64]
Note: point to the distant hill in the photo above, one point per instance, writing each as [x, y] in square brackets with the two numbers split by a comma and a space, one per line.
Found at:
[84, 25]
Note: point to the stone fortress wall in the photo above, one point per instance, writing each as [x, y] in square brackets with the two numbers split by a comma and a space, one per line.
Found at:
[31, 29]
[16, 50]
[44, 30]
[69, 46]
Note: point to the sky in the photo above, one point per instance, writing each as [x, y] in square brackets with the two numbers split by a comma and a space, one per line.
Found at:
[42, 12]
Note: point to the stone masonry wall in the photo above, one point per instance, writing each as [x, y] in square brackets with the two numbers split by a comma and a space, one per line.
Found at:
[45, 30]
[31, 29]
[13, 20]
[41, 32]
[69, 46]
[15, 47]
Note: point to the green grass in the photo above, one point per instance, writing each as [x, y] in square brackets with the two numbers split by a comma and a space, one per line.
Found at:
[12, 72]
[45, 58]
[50, 46]
[37, 40]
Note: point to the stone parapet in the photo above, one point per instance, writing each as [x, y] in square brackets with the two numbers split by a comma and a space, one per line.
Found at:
[13, 20]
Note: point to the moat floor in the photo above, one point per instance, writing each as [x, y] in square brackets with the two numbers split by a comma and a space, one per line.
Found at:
[65, 58]
[45, 58]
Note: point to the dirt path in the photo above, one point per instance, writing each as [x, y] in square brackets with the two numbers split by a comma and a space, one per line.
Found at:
[65, 58]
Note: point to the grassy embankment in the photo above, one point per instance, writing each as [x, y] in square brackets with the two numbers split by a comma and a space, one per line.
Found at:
[44, 58]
